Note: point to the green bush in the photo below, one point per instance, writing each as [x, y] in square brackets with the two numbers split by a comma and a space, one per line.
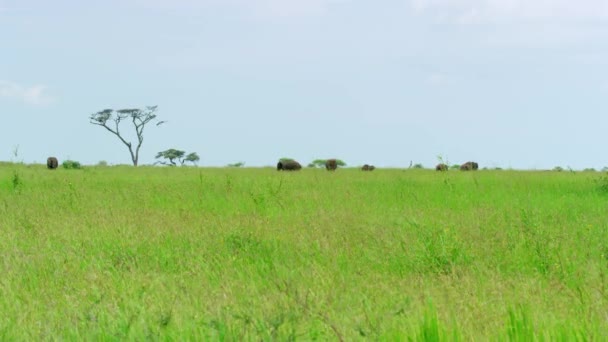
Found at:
[602, 183]
[71, 164]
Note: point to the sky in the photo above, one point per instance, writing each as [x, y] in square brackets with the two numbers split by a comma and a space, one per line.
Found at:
[517, 84]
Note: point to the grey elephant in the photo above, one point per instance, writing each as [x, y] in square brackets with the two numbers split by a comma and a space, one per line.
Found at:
[469, 166]
[331, 164]
[52, 163]
[288, 165]
[367, 167]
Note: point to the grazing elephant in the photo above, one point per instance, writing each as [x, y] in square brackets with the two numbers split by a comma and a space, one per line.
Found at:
[367, 167]
[331, 165]
[469, 166]
[52, 163]
[441, 167]
[288, 165]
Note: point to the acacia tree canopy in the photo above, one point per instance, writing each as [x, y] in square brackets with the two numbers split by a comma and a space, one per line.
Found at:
[110, 120]
[173, 154]
[191, 157]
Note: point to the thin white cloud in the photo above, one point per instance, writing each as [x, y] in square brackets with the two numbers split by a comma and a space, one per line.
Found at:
[6, 7]
[287, 8]
[275, 8]
[470, 11]
[436, 79]
[34, 95]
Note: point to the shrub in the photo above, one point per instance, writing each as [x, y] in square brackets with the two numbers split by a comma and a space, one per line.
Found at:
[602, 183]
[102, 163]
[71, 164]
[558, 169]
[418, 166]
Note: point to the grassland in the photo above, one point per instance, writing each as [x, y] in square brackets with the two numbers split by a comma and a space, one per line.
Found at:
[115, 253]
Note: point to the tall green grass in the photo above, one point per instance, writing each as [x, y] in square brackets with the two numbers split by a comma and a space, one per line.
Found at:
[254, 254]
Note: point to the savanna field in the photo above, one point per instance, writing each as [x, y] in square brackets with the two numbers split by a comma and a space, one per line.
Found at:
[184, 253]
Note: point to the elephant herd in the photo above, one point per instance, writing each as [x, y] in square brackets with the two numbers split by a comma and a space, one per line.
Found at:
[330, 165]
[468, 166]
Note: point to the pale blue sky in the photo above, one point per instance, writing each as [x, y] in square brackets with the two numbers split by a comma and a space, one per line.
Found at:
[509, 83]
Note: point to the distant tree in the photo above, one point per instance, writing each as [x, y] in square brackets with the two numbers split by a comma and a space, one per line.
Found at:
[170, 154]
[239, 164]
[418, 166]
[318, 163]
[173, 155]
[455, 166]
[191, 157]
[558, 169]
[110, 119]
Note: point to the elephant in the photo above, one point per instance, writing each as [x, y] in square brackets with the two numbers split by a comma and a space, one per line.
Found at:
[367, 167]
[331, 165]
[52, 163]
[469, 166]
[441, 167]
[288, 165]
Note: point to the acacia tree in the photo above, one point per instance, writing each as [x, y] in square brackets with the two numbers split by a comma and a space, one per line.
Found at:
[191, 157]
[173, 154]
[110, 119]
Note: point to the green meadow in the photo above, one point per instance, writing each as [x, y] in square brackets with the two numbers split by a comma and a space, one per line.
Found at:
[249, 254]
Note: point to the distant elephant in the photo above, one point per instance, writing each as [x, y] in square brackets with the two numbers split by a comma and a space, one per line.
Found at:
[52, 163]
[331, 165]
[288, 165]
[367, 167]
[441, 167]
[469, 166]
